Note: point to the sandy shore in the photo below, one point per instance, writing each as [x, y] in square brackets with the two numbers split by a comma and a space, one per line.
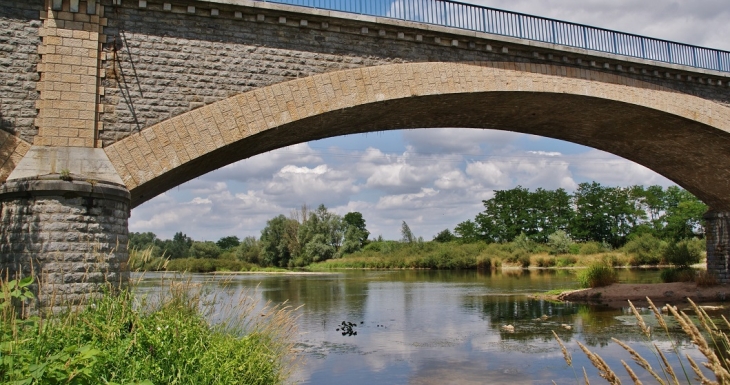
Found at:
[674, 293]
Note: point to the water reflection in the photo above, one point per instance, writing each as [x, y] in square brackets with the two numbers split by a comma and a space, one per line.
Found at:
[429, 327]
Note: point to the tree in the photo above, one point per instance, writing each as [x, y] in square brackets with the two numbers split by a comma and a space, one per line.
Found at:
[275, 242]
[604, 214]
[468, 231]
[205, 250]
[355, 219]
[228, 242]
[444, 236]
[249, 250]
[406, 233]
[178, 247]
[683, 217]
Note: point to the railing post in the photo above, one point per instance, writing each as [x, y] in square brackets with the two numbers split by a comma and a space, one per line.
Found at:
[615, 44]
[585, 37]
[555, 37]
[519, 21]
[643, 49]
[669, 52]
[484, 20]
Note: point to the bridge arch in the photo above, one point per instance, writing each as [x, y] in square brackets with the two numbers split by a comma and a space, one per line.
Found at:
[683, 137]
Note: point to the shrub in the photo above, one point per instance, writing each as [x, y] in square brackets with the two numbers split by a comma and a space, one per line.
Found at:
[682, 274]
[682, 254]
[565, 261]
[597, 275]
[704, 278]
[522, 242]
[560, 242]
[126, 339]
[519, 257]
[545, 262]
[484, 262]
[644, 250]
[590, 248]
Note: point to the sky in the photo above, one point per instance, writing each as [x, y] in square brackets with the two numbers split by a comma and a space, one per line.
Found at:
[432, 179]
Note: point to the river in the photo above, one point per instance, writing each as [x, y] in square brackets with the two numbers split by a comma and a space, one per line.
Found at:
[442, 327]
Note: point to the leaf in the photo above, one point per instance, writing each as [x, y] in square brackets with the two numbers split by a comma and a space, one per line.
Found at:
[25, 282]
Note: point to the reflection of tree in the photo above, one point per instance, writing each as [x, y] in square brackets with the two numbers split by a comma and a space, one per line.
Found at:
[322, 296]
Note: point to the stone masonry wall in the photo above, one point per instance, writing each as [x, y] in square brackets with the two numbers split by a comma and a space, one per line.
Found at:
[72, 240]
[165, 59]
[717, 235]
[19, 41]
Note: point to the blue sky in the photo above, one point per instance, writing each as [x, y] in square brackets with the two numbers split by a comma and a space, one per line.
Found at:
[430, 178]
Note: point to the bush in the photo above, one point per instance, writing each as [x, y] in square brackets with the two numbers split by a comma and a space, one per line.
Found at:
[590, 248]
[195, 265]
[519, 257]
[560, 242]
[682, 274]
[644, 250]
[597, 275]
[704, 278]
[682, 254]
[565, 261]
[545, 262]
[125, 339]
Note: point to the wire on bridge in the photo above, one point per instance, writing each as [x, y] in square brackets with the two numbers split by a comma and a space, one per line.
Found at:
[495, 21]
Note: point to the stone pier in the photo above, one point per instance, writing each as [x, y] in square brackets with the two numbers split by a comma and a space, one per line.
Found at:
[70, 234]
[717, 234]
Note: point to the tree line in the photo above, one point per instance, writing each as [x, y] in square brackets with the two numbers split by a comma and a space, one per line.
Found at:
[611, 215]
[305, 236]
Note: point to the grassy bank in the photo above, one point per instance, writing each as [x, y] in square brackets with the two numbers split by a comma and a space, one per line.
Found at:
[128, 339]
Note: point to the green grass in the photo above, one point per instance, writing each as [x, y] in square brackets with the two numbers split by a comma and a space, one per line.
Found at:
[597, 274]
[128, 339]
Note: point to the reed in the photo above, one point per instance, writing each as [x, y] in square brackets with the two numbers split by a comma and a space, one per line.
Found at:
[704, 334]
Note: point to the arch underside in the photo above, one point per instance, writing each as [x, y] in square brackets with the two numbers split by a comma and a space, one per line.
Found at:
[687, 144]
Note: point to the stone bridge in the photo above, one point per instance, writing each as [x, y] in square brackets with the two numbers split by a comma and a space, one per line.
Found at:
[106, 104]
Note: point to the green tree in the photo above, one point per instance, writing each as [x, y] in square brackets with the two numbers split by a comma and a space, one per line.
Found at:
[178, 247]
[275, 242]
[205, 250]
[355, 219]
[229, 242]
[604, 214]
[683, 217]
[406, 233]
[444, 236]
[468, 231]
[249, 250]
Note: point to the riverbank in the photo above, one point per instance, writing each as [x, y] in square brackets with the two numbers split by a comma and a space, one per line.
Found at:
[675, 293]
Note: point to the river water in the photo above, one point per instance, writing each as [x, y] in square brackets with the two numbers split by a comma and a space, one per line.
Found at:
[445, 327]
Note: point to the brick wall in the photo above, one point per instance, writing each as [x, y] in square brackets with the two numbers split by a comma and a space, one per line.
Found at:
[19, 41]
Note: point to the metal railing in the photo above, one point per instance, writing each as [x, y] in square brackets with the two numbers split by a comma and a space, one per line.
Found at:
[495, 21]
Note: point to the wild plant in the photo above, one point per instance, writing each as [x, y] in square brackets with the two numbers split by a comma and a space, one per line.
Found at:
[705, 335]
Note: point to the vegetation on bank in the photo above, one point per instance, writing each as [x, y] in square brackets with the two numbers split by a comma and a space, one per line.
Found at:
[130, 339]
[632, 226]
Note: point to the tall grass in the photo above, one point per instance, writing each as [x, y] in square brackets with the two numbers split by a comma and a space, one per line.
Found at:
[709, 338]
[165, 339]
[597, 274]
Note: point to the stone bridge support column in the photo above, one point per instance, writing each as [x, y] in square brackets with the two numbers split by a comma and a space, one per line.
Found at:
[70, 234]
[717, 234]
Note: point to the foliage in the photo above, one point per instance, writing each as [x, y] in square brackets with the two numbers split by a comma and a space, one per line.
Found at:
[406, 233]
[512, 212]
[590, 248]
[704, 278]
[123, 339]
[229, 242]
[249, 250]
[207, 265]
[677, 274]
[444, 236]
[594, 213]
[275, 242]
[682, 254]
[559, 242]
[597, 274]
[356, 224]
[644, 250]
[468, 231]
[206, 250]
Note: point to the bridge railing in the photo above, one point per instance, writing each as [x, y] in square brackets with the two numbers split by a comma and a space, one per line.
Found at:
[495, 21]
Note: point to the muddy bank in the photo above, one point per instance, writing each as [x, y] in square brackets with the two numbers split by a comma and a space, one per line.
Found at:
[674, 293]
